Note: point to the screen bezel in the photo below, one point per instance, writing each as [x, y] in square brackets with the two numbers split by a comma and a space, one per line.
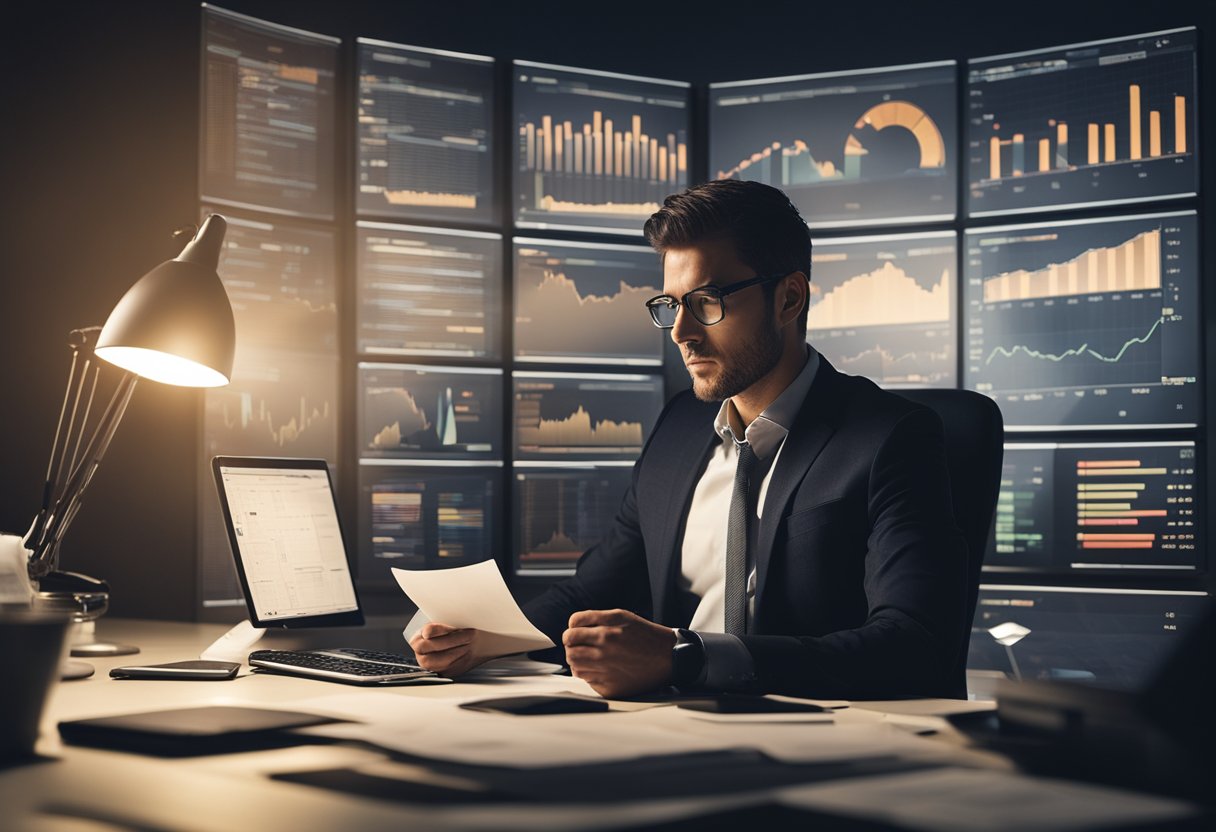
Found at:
[351, 618]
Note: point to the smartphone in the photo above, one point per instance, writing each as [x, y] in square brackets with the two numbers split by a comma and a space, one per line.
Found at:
[742, 704]
[197, 669]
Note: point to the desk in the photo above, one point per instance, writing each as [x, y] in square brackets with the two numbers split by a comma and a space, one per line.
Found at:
[90, 789]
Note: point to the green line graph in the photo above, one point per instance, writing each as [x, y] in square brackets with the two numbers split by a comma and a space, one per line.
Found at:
[1082, 350]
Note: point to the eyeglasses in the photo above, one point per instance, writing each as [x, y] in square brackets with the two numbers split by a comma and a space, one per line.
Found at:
[706, 303]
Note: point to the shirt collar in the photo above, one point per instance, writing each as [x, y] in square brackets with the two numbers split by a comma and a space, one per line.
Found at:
[766, 433]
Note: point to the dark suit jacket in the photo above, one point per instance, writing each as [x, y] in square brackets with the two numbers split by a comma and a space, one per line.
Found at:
[861, 569]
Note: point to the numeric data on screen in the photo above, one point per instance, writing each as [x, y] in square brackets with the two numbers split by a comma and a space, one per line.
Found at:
[414, 517]
[584, 416]
[884, 307]
[1098, 507]
[596, 150]
[268, 128]
[562, 512]
[427, 291]
[422, 412]
[425, 137]
[1096, 123]
[586, 303]
[864, 147]
[1086, 323]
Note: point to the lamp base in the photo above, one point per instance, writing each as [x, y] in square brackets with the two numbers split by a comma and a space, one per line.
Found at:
[69, 670]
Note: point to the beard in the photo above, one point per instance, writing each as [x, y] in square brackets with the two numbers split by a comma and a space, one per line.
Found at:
[740, 368]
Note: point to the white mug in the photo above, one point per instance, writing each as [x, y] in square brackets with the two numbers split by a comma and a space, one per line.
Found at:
[15, 587]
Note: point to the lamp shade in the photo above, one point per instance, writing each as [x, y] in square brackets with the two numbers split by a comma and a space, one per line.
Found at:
[175, 325]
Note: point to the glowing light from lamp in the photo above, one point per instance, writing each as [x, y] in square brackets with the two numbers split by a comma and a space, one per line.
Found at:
[162, 366]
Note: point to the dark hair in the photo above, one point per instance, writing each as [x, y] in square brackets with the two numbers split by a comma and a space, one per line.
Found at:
[768, 233]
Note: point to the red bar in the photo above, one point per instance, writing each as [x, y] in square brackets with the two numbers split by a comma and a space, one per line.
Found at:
[1108, 463]
[1113, 521]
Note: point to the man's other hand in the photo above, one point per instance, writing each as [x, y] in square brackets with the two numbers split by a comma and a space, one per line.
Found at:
[618, 653]
[446, 650]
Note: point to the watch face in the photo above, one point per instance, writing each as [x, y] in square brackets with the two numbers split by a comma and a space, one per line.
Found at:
[687, 661]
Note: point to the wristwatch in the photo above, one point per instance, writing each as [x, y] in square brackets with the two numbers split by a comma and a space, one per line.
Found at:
[688, 665]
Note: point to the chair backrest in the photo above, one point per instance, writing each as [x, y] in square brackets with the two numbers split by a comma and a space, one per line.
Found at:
[974, 451]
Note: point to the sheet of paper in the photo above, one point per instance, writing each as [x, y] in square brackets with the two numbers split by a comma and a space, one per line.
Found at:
[473, 596]
[967, 800]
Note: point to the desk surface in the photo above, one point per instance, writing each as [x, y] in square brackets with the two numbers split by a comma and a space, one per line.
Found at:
[82, 788]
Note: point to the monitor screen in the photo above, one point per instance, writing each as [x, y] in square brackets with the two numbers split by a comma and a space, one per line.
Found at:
[1111, 638]
[585, 303]
[1098, 506]
[428, 291]
[862, 147]
[425, 139]
[584, 416]
[562, 511]
[884, 307]
[268, 124]
[409, 411]
[414, 516]
[1086, 323]
[1099, 123]
[284, 527]
[596, 150]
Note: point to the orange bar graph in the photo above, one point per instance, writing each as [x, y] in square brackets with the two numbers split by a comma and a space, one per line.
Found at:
[1109, 145]
[1044, 155]
[1129, 266]
[1092, 150]
[1179, 124]
[1154, 133]
[994, 158]
[609, 138]
[1133, 106]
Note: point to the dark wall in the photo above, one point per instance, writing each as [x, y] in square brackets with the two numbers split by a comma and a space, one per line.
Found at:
[98, 160]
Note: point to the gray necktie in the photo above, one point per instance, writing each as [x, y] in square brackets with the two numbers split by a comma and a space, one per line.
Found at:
[742, 512]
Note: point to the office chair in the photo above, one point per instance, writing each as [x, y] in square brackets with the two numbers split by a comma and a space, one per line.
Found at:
[975, 435]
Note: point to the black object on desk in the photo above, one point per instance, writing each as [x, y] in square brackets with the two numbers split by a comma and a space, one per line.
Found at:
[188, 732]
[736, 703]
[539, 705]
[194, 670]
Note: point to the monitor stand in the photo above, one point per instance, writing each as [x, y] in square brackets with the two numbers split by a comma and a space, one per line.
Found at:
[234, 645]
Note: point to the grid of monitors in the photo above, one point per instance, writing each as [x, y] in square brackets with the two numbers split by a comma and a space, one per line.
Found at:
[1110, 638]
[425, 137]
[884, 307]
[584, 416]
[584, 303]
[596, 150]
[410, 411]
[420, 516]
[267, 116]
[1086, 323]
[428, 292]
[283, 398]
[858, 148]
[1097, 123]
[1098, 507]
[561, 511]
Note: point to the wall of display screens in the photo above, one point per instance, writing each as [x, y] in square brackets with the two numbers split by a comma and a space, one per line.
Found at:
[504, 379]
[858, 148]
[1099, 123]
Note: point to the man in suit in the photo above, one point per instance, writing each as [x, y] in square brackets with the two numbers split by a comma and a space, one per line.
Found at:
[788, 528]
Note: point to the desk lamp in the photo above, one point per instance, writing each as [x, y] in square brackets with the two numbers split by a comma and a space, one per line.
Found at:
[174, 326]
[1008, 634]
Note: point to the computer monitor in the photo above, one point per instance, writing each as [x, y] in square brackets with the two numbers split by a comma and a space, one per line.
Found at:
[1099, 507]
[861, 147]
[596, 151]
[287, 542]
[425, 133]
[1086, 324]
[268, 129]
[1097, 123]
[883, 307]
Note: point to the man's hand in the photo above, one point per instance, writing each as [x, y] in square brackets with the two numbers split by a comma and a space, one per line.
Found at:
[618, 653]
[446, 650]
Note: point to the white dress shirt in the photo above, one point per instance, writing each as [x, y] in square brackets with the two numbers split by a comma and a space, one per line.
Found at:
[703, 555]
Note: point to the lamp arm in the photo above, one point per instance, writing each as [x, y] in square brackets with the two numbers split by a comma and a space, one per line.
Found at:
[50, 486]
[52, 532]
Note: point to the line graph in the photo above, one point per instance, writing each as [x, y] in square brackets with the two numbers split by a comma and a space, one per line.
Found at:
[1083, 350]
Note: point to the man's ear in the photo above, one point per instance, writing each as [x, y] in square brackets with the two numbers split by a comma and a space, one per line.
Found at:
[792, 297]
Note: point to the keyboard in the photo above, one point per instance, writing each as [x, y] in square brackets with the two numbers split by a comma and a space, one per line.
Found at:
[350, 665]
